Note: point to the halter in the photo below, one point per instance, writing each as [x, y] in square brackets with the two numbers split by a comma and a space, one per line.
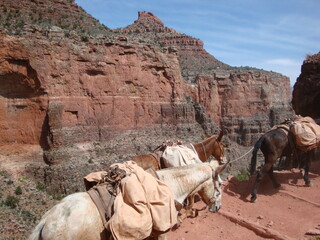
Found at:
[205, 153]
[213, 198]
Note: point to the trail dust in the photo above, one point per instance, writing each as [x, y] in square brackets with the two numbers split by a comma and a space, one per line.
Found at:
[291, 212]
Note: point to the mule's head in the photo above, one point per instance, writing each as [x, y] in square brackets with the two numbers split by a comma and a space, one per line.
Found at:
[218, 149]
[211, 192]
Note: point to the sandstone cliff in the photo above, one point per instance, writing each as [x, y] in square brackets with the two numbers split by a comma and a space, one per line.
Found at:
[244, 101]
[306, 92]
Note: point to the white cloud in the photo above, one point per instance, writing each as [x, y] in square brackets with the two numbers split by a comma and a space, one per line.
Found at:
[282, 62]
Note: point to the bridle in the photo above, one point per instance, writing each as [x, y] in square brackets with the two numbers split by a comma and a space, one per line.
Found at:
[205, 153]
[213, 199]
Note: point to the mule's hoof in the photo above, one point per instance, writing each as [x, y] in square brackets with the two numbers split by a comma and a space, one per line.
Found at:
[309, 184]
[194, 213]
[253, 199]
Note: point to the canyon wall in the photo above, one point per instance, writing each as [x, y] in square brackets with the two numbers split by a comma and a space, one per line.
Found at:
[306, 92]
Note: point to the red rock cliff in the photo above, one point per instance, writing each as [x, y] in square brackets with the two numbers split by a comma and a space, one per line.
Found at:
[306, 92]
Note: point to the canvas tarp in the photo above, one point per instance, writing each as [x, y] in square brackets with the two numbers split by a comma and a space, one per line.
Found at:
[142, 204]
[307, 133]
[93, 179]
[180, 155]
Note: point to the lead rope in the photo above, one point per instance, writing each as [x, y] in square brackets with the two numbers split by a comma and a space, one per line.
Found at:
[242, 156]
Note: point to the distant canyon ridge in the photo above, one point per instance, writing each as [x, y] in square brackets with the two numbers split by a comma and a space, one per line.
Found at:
[77, 95]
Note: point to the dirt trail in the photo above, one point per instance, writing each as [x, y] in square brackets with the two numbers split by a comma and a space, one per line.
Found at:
[287, 213]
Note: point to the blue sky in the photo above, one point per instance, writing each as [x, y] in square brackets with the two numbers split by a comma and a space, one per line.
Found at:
[275, 35]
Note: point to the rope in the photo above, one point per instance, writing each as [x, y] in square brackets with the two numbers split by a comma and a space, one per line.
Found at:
[242, 156]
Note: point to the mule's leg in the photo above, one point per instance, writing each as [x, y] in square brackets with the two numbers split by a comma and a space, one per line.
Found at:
[306, 163]
[274, 181]
[191, 212]
[260, 175]
[188, 210]
[162, 237]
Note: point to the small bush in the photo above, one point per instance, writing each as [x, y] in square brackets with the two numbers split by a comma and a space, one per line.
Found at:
[9, 182]
[11, 201]
[84, 39]
[3, 173]
[18, 191]
[22, 179]
[28, 216]
[243, 176]
[40, 187]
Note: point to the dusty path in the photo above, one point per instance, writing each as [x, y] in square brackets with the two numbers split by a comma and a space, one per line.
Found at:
[287, 213]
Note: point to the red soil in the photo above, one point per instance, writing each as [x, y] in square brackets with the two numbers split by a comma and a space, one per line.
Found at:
[290, 212]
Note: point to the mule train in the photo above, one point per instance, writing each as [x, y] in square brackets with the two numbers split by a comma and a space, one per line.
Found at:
[77, 217]
[201, 152]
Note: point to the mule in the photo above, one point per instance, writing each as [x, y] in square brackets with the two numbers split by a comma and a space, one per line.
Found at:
[275, 144]
[211, 146]
[77, 217]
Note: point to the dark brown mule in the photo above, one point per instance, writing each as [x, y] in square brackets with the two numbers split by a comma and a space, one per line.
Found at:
[275, 144]
[212, 146]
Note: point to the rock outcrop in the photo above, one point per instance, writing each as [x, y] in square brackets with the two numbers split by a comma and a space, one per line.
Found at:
[306, 92]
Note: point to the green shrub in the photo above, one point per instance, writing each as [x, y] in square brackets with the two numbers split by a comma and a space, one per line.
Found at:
[84, 39]
[9, 182]
[3, 173]
[11, 201]
[40, 187]
[18, 191]
[243, 176]
[28, 216]
[22, 179]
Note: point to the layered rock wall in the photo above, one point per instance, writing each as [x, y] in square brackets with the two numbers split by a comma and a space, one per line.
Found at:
[246, 104]
[87, 90]
[306, 92]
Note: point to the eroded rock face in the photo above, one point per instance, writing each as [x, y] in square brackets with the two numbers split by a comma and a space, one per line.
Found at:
[306, 92]
[244, 101]
[89, 88]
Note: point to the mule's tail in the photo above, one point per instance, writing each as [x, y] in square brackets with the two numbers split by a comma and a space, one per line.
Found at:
[37, 231]
[254, 155]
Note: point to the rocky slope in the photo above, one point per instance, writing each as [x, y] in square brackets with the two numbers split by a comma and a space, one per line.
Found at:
[14, 15]
[306, 92]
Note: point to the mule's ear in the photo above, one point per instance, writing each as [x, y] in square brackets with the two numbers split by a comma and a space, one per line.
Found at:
[220, 135]
[206, 135]
[221, 168]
